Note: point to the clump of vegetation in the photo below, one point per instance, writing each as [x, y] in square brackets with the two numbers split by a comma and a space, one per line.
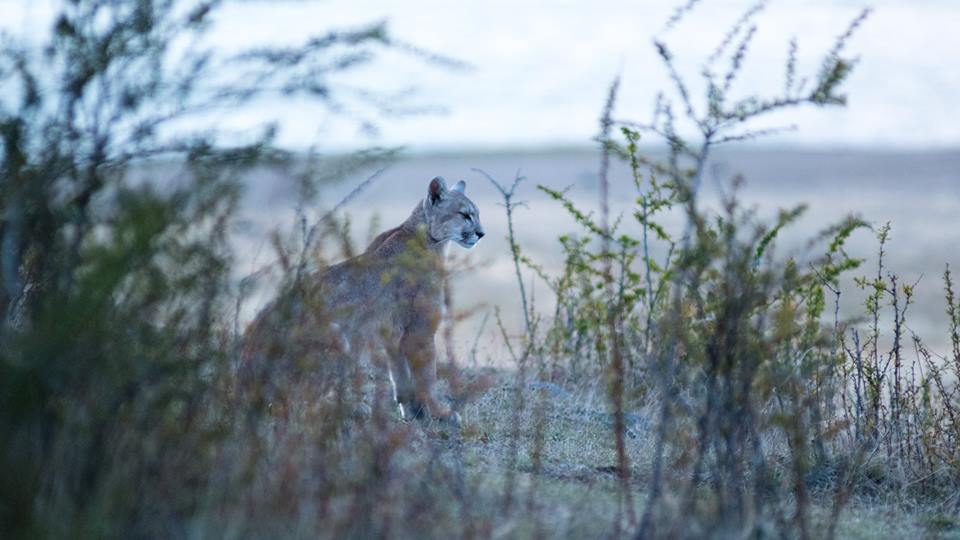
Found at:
[764, 405]
[116, 411]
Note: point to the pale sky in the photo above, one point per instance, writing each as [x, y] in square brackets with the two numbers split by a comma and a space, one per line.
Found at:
[541, 68]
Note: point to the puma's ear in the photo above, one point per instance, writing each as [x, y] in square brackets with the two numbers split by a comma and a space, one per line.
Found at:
[461, 185]
[437, 189]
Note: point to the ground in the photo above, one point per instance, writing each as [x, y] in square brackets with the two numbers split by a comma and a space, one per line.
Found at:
[575, 493]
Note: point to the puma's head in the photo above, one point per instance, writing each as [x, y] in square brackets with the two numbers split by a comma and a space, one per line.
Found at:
[450, 215]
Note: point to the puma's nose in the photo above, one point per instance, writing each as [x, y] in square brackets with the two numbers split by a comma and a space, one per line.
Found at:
[480, 234]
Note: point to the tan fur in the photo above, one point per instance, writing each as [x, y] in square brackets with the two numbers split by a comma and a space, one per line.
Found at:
[380, 309]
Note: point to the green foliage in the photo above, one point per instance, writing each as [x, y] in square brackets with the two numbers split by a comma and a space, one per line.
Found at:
[766, 399]
[116, 396]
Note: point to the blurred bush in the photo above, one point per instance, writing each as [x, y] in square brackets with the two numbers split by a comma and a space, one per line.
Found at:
[115, 260]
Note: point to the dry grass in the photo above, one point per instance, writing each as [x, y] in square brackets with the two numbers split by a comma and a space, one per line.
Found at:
[438, 484]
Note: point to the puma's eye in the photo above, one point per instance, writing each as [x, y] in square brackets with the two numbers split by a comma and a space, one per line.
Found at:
[466, 216]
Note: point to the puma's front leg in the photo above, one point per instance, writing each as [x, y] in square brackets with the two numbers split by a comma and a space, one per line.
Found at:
[373, 383]
[403, 381]
[419, 351]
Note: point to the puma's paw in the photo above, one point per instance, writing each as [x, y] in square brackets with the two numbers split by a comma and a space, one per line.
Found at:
[453, 419]
[444, 415]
